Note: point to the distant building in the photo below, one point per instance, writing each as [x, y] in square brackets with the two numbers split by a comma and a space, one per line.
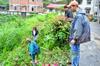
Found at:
[89, 6]
[56, 8]
[53, 7]
[26, 5]
[98, 10]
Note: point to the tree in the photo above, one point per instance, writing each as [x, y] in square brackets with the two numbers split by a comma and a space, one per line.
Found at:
[3, 2]
[46, 2]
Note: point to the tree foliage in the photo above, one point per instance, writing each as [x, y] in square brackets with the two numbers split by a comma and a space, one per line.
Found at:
[3, 2]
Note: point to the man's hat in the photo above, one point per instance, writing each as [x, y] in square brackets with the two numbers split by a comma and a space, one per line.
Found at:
[74, 2]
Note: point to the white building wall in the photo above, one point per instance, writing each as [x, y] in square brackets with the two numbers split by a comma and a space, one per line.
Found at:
[84, 5]
[98, 10]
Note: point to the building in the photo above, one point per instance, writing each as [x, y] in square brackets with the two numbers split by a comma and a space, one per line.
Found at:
[26, 5]
[56, 8]
[98, 10]
[89, 6]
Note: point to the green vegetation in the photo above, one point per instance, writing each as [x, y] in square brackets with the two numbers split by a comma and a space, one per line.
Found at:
[4, 2]
[53, 39]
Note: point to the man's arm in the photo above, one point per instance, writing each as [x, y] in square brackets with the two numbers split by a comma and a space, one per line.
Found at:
[78, 27]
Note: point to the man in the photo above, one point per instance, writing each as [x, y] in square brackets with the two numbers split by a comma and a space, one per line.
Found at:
[80, 32]
[68, 13]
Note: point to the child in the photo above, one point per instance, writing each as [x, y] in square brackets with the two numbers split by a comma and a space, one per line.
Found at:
[35, 33]
[33, 50]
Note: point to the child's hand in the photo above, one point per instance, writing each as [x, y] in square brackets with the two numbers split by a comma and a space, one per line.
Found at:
[30, 54]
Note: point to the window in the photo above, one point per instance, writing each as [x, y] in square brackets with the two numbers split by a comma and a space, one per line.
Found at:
[50, 10]
[89, 1]
[32, 9]
[15, 8]
[88, 9]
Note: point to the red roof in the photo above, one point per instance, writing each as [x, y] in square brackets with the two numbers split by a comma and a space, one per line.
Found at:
[55, 5]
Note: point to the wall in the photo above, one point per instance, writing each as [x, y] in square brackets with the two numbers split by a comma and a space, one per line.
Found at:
[92, 6]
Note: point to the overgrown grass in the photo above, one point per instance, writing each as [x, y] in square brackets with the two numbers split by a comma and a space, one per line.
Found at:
[15, 30]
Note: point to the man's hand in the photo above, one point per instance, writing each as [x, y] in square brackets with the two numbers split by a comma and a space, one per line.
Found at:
[72, 41]
[69, 19]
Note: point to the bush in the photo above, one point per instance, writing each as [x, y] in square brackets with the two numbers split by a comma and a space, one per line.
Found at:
[61, 32]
